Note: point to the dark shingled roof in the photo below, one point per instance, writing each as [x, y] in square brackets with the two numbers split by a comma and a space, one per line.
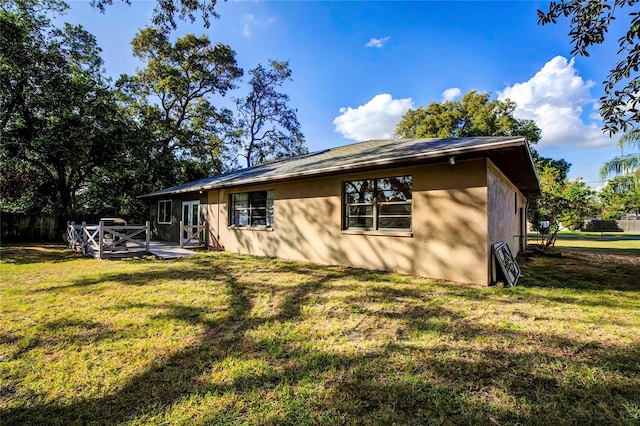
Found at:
[510, 154]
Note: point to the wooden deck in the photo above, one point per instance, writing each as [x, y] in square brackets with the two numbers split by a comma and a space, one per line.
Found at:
[169, 250]
[118, 241]
[109, 238]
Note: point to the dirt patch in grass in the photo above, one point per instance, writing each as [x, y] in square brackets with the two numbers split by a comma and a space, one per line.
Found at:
[603, 257]
[582, 270]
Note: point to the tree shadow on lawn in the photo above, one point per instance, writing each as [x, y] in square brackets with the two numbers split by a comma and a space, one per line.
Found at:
[392, 382]
[58, 332]
[39, 253]
[142, 278]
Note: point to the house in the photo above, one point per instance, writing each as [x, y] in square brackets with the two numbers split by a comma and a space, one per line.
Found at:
[431, 207]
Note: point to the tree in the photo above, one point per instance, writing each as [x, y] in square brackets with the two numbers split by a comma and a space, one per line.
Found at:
[475, 115]
[620, 196]
[171, 99]
[267, 127]
[582, 204]
[628, 164]
[589, 23]
[544, 211]
[60, 119]
[562, 202]
[166, 10]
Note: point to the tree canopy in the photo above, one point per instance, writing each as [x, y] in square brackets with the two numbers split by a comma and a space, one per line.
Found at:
[589, 24]
[267, 126]
[166, 11]
[172, 98]
[75, 145]
[59, 118]
[476, 114]
[620, 196]
[625, 164]
[562, 202]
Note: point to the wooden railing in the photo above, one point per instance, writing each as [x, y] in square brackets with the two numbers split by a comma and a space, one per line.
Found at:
[192, 235]
[104, 241]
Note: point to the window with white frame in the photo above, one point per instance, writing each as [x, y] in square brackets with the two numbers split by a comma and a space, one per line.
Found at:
[378, 204]
[164, 212]
[252, 209]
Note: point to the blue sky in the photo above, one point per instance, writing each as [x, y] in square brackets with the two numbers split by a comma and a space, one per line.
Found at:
[358, 65]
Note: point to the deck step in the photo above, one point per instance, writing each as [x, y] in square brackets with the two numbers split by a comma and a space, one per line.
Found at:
[165, 250]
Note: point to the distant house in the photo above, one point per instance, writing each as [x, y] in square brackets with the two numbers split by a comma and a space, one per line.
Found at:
[431, 207]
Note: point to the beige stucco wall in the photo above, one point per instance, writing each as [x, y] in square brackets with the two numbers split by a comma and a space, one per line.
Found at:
[448, 239]
[504, 210]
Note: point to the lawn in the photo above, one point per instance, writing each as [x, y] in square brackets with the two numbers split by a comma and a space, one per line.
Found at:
[604, 242]
[219, 338]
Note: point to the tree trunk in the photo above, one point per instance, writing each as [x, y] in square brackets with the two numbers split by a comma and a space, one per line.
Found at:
[66, 204]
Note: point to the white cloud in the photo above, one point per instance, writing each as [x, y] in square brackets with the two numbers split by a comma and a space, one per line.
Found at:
[249, 22]
[450, 94]
[555, 98]
[377, 42]
[377, 119]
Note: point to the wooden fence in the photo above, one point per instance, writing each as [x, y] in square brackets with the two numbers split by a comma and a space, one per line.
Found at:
[621, 225]
[21, 227]
[106, 241]
[629, 225]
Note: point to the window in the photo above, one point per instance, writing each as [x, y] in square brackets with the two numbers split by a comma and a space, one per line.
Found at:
[252, 209]
[164, 211]
[374, 204]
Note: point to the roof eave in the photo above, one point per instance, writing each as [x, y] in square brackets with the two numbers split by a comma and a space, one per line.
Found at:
[472, 151]
[369, 164]
[165, 194]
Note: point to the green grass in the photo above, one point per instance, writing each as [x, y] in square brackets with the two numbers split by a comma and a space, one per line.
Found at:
[585, 234]
[219, 338]
[608, 242]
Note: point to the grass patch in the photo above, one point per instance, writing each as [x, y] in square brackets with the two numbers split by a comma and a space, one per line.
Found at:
[621, 246]
[590, 234]
[617, 243]
[219, 338]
